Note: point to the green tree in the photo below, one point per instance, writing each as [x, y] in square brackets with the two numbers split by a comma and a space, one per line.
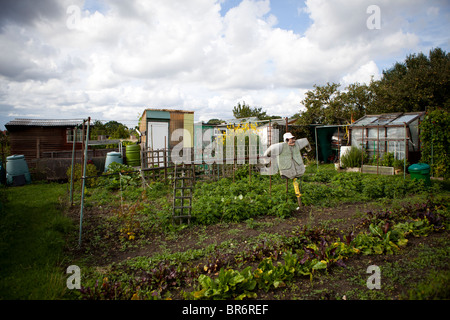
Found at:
[215, 121]
[327, 105]
[419, 83]
[355, 101]
[321, 104]
[435, 140]
[97, 129]
[245, 111]
[117, 130]
[112, 129]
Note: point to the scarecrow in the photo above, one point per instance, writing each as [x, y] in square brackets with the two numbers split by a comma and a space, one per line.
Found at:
[288, 160]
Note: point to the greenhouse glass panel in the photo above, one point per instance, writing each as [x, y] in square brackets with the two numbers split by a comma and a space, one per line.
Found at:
[364, 121]
[356, 138]
[396, 132]
[397, 148]
[414, 130]
[406, 118]
[385, 119]
[373, 133]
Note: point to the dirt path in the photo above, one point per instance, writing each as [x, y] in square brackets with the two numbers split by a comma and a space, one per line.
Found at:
[343, 218]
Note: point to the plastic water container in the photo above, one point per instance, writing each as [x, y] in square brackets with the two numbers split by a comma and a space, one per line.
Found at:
[17, 173]
[113, 157]
[420, 171]
[133, 155]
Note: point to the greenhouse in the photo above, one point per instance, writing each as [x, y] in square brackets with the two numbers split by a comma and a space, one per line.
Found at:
[396, 133]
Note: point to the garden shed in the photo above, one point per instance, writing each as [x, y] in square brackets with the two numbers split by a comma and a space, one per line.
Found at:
[42, 138]
[157, 127]
[396, 133]
[329, 140]
[46, 144]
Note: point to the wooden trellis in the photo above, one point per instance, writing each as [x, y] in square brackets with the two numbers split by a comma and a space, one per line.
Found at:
[183, 188]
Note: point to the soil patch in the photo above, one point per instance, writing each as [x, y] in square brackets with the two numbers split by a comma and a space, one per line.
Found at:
[344, 217]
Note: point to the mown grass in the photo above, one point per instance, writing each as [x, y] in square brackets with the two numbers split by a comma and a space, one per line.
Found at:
[32, 232]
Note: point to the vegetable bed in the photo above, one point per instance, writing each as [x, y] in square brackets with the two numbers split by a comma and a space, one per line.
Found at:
[248, 239]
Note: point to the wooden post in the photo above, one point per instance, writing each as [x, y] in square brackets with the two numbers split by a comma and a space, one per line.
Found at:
[72, 167]
[38, 148]
[362, 148]
[82, 148]
[404, 160]
[84, 181]
[378, 147]
[165, 159]
[286, 125]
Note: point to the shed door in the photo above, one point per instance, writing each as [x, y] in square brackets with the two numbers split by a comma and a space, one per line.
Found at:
[158, 132]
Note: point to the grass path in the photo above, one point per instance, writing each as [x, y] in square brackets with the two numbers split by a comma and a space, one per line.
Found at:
[32, 230]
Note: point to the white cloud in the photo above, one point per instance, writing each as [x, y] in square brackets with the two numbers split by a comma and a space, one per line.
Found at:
[364, 75]
[102, 74]
[131, 55]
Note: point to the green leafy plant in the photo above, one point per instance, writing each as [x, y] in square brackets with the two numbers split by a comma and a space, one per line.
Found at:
[91, 171]
[120, 176]
[353, 158]
[228, 284]
[435, 142]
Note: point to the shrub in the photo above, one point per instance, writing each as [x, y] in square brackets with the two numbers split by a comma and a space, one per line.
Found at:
[123, 181]
[374, 188]
[352, 159]
[435, 142]
[91, 171]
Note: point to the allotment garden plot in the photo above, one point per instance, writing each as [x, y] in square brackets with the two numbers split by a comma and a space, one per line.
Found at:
[249, 239]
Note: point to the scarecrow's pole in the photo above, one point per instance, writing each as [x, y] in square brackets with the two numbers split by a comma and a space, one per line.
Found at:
[84, 180]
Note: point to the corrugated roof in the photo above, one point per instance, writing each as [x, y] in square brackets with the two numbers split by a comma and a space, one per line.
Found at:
[169, 110]
[45, 122]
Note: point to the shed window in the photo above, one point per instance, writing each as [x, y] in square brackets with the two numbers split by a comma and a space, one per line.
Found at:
[69, 135]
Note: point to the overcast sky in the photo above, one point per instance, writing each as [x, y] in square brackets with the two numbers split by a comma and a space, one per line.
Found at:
[111, 59]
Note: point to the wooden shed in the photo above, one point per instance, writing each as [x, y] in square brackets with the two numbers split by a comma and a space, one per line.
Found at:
[40, 138]
[46, 144]
[157, 127]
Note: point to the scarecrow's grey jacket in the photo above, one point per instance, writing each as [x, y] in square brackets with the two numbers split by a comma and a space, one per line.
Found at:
[287, 159]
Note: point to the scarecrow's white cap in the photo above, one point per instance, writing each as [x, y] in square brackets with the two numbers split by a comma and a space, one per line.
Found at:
[287, 135]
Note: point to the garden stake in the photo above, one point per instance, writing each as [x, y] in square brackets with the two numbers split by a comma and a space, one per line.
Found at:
[71, 170]
[121, 198]
[83, 179]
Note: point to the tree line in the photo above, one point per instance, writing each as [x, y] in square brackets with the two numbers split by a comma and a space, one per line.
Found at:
[420, 83]
[110, 129]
